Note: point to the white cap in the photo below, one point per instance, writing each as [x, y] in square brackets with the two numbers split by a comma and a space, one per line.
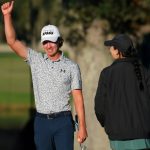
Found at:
[49, 33]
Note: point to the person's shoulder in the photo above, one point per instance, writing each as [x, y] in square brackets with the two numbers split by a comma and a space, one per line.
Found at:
[104, 72]
[70, 62]
[31, 50]
[106, 69]
[34, 53]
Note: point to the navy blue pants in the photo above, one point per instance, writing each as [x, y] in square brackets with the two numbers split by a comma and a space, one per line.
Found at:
[54, 133]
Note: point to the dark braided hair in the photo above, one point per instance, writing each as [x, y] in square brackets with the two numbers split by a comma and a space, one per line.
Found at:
[138, 73]
[132, 52]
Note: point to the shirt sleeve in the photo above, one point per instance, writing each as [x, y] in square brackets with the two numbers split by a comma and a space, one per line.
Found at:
[100, 98]
[32, 56]
[76, 81]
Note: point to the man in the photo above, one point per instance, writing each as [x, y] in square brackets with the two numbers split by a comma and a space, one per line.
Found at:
[54, 77]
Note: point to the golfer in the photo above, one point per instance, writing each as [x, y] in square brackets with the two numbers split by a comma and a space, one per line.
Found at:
[55, 78]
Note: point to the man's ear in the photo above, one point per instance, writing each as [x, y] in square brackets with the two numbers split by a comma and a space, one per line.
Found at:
[119, 54]
[117, 51]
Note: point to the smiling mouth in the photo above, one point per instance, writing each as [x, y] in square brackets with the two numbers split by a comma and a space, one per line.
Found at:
[49, 50]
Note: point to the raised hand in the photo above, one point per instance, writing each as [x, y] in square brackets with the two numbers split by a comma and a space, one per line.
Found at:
[7, 7]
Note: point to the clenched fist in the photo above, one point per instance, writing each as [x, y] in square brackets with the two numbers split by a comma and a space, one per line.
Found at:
[7, 7]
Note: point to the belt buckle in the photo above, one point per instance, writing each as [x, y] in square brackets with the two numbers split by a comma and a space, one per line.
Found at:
[48, 116]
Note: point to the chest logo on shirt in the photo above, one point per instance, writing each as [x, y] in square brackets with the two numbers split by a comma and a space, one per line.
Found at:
[61, 70]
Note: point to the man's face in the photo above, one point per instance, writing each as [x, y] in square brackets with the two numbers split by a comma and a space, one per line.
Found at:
[50, 48]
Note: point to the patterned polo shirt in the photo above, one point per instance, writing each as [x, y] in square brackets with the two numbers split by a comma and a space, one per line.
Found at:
[53, 81]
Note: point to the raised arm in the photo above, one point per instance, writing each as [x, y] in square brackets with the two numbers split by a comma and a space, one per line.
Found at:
[16, 45]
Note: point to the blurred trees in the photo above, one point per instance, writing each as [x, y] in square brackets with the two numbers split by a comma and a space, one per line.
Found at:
[122, 15]
[125, 15]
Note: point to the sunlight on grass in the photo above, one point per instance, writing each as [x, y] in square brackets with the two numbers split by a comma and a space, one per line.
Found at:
[15, 91]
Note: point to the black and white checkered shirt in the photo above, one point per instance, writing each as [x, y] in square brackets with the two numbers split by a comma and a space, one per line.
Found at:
[53, 81]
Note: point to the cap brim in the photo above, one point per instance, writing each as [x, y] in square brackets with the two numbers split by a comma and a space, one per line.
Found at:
[49, 38]
[109, 43]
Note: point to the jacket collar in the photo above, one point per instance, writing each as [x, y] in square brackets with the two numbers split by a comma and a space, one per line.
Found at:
[126, 59]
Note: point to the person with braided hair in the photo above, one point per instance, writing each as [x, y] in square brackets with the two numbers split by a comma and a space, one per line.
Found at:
[122, 100]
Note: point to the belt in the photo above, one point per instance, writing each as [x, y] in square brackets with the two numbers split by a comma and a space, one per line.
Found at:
[53, 115]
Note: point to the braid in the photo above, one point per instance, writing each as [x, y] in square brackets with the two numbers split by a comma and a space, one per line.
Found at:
[138, 73]
[132, 53]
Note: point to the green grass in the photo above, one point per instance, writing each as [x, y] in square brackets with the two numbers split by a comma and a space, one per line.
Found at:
[14, 91]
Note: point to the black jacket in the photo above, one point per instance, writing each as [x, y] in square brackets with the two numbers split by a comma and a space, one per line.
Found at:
[120, 106]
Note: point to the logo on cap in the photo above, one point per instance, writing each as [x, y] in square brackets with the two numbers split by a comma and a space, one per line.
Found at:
[46, 32]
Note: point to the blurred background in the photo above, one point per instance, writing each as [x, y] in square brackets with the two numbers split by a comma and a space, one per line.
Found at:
[84, 25]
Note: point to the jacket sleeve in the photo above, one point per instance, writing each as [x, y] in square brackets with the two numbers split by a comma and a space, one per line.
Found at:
[100, 100]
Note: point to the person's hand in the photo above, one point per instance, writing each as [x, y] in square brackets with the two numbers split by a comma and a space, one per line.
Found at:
[7, 7]
[82, 135]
